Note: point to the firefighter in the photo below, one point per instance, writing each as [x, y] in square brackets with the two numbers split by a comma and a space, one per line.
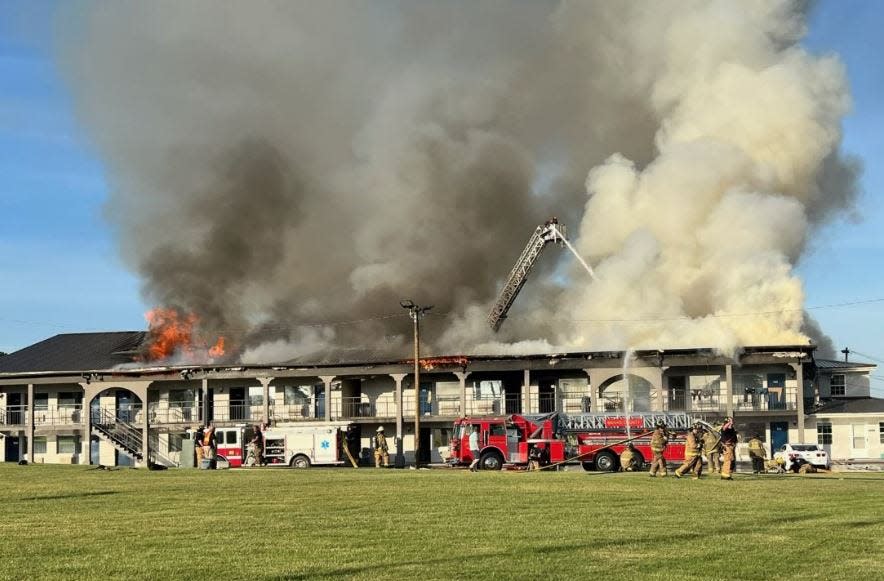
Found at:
[198, 444]
[534, 456]
[628, 460]
[256, 447]
[658, 444]
[728, 445]
[379, 443]
[712, 450]
[474, 449]
[693, 446]
[757, 454]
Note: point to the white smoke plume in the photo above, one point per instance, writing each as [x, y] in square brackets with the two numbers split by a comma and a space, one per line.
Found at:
[290, 171]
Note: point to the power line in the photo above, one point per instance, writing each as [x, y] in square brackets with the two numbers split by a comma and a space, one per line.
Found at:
[867, 356]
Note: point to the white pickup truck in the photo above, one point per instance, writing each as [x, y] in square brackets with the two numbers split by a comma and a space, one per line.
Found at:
[793, 456]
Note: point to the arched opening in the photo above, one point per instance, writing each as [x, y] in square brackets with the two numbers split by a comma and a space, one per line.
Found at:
[625, 393]
[116, 415]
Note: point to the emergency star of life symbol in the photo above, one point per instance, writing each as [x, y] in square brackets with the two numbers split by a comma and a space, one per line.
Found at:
[325, 444]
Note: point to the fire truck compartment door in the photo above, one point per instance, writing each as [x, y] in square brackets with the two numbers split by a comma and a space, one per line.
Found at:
[512, 445]
[326, 445]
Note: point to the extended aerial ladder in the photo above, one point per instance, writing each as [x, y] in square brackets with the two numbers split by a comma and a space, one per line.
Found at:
[549, 231]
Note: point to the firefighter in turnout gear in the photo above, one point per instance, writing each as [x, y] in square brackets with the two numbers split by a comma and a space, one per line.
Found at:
[693, 445]
[757, 454]
[628, 460]
[712, 450]
[379, 443]
[728, 445]
[658, 444]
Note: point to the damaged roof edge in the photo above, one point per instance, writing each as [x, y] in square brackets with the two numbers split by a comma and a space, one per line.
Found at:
[779, 351]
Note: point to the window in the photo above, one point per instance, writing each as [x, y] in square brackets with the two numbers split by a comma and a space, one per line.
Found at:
[256, 396]
[219, 437]
[67, 444]
[41, 403]
[297, 394]
[181, 398]
[69, 399]
[175, 442]
[824, 433]
[881, 432]
[39, 445]
[487, 389]
[498, 430]
[839, 384]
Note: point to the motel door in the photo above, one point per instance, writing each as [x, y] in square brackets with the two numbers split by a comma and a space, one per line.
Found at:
[779, 435]
[776, 391]
[13, 448]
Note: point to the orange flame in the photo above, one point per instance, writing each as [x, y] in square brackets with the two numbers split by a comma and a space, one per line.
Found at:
[172, 332]
[433, 362]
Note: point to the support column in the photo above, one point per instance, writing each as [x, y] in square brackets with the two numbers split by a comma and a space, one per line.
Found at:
[30, 420]
[327, 380]
[145, 436]
[659, 401]
[265, 384]
[399, 460]
[205, 410]
[462, 378]
[526, 390]
[593, 392]
[86, 444]
[799, 380]
[729, 392]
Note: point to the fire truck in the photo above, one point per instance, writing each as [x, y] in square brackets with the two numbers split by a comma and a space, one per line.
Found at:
[593, 440]
[299, 446]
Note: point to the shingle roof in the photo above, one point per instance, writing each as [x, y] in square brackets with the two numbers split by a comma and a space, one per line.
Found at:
[856, 405]
[75, 352]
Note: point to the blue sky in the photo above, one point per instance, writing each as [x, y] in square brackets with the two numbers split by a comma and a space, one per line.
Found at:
[59, 263]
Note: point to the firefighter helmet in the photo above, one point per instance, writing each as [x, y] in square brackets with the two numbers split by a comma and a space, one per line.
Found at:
[660, 424]
[380, 428]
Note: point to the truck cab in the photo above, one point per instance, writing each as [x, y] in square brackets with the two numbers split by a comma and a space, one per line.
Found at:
[503, 440]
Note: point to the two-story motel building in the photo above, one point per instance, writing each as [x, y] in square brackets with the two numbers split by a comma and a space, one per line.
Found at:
[58, 397]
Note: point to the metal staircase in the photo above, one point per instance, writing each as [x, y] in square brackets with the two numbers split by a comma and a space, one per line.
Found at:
[124, 436]
[127, 437]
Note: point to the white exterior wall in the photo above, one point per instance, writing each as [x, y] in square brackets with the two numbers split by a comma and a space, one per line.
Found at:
[848, 431]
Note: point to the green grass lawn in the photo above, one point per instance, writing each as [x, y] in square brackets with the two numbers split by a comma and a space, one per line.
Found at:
[72, 522]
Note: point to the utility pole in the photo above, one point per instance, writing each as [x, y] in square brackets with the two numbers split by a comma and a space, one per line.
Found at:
[416, 312]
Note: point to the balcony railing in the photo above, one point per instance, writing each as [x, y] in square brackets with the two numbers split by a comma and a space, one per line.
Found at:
[297, 411]
[575, 402]
[237, 411]
[770, 399]
[14, 415]
[63, 415]
[357, 407]
[175, 414]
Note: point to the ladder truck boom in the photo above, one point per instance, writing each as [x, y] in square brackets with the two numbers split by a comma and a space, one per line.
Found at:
[550, 231]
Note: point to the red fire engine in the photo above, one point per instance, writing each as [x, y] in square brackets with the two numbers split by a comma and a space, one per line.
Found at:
[594, 440]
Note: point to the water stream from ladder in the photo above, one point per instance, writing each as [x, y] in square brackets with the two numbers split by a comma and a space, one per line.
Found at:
[627, 388]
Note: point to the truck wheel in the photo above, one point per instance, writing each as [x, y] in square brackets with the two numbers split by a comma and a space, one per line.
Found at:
[300, 461]
[588, 466]
[605, 462]
[490, 461]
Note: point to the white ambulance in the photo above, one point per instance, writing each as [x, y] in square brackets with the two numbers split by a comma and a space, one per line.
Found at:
[305, 445]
